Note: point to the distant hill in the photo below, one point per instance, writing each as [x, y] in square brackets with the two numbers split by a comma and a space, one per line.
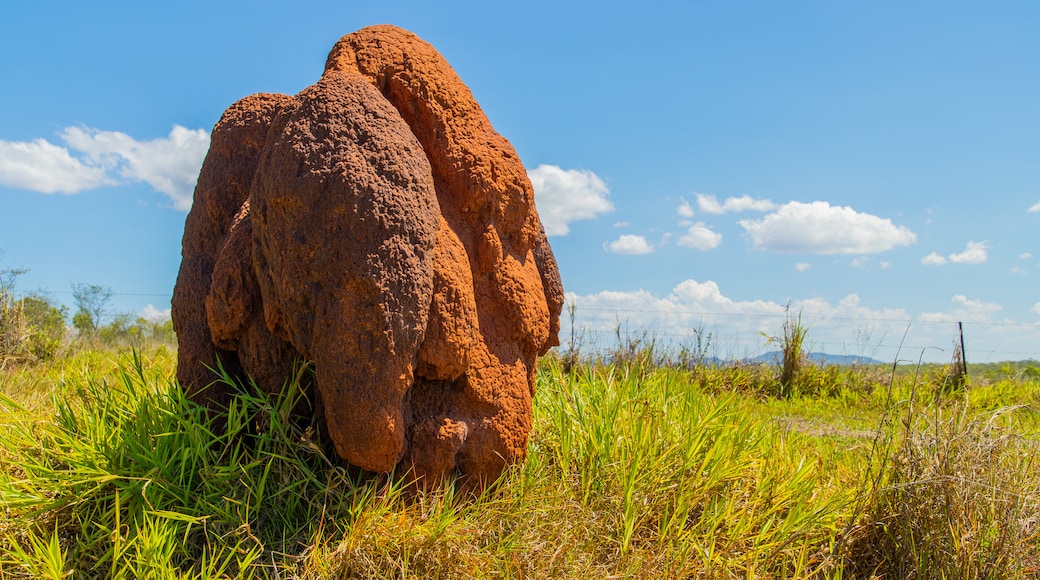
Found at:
[820, 357]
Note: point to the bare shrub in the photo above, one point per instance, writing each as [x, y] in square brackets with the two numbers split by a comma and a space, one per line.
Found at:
[957, 502]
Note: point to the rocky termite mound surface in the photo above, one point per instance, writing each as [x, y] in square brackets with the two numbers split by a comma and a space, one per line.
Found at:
[377, 226]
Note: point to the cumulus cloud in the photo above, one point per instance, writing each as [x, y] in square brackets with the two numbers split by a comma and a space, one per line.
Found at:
[700, 237]
[1036, 308]
[170, 165]
[802, 266]
[747, 203]
[153, 314]
[974, 253]
[820, 228]
[1025, 256]
[567, 195]
[687, 301]
[710, 204]
[1035, 207]
[43, 167]
[964, 310]
[737, 327]
[933, 259]
[630, 244]
[685, 210]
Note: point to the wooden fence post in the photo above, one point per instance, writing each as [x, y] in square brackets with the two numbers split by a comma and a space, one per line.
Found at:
[964, 355]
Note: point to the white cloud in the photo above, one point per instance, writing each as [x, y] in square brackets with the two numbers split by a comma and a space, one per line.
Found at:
[737, 326]
[685, 210]
[1017, 270]
[687, 301]
[802, 266]
[734, 327]
[566, 195]
[964, 310]
[1025, 256]
[169, 164]
[819, 228]
[710, 204]
[153, 314]
[974, 253]
[621, 224]
[630, 244]
[1035, 207]
[885, 265]
[43, 167]
[700, 237]
[933, 259]
[747, 203]
[691, 298]
[860, 262]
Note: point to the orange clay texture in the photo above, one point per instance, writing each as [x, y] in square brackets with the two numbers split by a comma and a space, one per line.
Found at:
[376, 225]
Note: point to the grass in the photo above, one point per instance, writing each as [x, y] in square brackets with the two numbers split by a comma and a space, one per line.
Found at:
[634, 470]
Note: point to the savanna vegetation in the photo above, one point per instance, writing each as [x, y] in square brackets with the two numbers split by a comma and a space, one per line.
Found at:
[35, 328]
[640, 464]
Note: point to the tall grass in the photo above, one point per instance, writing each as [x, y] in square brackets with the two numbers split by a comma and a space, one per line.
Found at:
[15, 333]
[960, 499]
[792, 360]
[677, 468]
[633, 471]
[129, 478]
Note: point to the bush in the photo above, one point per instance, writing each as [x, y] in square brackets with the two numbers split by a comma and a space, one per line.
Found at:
[31, 328]
[127, 331]
[46, 322]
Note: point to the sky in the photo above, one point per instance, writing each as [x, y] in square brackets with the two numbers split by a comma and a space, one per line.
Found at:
[701, 167]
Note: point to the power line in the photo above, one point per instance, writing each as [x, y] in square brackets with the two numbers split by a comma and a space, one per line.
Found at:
[820, 318]
[673, 329]
[167, 295]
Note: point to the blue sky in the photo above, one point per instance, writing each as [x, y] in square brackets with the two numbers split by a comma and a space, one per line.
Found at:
[700, 164]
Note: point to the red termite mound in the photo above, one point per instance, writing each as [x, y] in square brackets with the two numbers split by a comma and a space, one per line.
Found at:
[376, 225]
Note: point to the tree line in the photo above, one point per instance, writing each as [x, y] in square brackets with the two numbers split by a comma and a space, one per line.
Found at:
[34, 327]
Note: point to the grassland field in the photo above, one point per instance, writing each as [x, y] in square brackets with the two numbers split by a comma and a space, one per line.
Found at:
[635, 469]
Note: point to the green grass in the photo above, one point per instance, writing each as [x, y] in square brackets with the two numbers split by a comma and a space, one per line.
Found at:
[633, 470]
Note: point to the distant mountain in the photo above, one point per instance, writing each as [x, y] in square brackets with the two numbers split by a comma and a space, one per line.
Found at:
[819, 357]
